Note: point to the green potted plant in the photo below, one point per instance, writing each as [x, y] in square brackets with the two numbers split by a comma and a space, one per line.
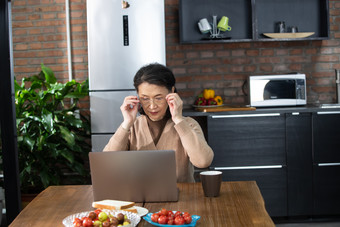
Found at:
[53, 137]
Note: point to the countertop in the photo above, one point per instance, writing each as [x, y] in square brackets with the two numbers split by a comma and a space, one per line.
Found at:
[190, 111]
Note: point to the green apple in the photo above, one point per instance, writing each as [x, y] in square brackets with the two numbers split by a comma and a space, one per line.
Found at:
[102, 216]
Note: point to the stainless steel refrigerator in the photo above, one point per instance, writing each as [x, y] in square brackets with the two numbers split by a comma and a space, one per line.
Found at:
[122, 37]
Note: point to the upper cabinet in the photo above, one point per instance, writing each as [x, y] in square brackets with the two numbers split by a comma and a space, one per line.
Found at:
[253, 20]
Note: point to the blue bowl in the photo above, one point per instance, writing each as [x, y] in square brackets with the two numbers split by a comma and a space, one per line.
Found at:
[195, 218]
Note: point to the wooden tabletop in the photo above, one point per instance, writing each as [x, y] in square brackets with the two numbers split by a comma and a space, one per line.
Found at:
[239, 204]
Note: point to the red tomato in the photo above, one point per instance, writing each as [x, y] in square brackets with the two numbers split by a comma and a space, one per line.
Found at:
[187, 219]
[162, 219]
[186, 214]
[170, 221]
[171, 215]
[87, 222]
[178, 213]
[164, 211]
[77, 222]
[97, 211]
[179, 220]
[154, 217]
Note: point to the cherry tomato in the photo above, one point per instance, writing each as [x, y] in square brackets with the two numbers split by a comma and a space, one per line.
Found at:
[162, 219]
[77, 222]
[171, 215]
[164, 211]
[154, 217]
[186, 214]
[170, 221]
[187, 219]
[179, 220]
[178, 213]
[87, 222]
[97, 211]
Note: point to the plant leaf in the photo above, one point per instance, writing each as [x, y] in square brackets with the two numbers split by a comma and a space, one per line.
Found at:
[29, 142]
[48, 73]
[67, 136]
[47, 120]
[68, 155]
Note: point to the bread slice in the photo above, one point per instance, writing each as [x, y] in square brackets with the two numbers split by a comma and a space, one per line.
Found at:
[113, 204]
[133, 210]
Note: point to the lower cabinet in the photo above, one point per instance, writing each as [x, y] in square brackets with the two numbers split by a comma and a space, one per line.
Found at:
[326, 163]
[294, 158]
[252, 147]
[272, 183]
[326, 187]
[299, 164]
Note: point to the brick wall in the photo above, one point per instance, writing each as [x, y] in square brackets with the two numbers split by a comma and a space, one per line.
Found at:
[39, 36]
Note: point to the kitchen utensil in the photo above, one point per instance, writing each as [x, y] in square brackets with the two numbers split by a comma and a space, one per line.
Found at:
[337, 81]
[204, 26]
[281, 27]
[293, 29]
[223, 24]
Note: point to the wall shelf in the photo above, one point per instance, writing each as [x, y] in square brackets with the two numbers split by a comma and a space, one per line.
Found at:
[249, 19]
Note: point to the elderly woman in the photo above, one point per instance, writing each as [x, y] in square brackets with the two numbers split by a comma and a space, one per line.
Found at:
[161, 125]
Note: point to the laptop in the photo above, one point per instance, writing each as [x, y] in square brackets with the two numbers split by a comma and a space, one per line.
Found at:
[138, 176]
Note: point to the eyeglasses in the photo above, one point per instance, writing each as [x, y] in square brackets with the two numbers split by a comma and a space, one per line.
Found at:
[147, 101]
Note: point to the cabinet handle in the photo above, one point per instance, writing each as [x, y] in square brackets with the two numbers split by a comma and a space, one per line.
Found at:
[246, 115]
[329, 112]
[328, 164]
[249, 167]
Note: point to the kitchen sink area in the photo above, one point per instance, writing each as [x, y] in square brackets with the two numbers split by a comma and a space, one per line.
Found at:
[331, 105]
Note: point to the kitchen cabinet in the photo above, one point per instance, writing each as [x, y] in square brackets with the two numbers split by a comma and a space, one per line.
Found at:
[252, 147]
[292, 153]
[249, 19]
[299, 162]
[326, 162]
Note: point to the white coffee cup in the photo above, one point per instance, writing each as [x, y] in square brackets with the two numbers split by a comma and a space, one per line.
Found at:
[204, 25]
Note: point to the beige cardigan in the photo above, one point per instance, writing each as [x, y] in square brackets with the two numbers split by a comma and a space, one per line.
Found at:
[186, 139]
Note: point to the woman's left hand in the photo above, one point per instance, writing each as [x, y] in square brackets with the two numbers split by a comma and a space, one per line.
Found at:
[175, 105]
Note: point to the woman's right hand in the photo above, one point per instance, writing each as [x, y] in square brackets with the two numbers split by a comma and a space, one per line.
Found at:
[129, 110]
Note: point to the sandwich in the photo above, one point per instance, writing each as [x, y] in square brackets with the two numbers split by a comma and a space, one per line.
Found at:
[115, 205]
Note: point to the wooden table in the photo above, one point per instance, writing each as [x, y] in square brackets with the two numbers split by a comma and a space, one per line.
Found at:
[239, 204]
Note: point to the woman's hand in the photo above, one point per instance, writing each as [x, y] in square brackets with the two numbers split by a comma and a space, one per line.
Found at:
[175, 105]
[129, 110]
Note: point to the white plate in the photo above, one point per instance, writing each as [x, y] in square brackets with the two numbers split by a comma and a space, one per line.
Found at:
[141, 211]
[134, 218]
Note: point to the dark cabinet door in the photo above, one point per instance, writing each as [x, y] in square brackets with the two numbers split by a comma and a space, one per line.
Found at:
[326, 189]
[252, 147]
[326, 162]
[247, 140]
[299, 163]
[272, 184]
[326, 133]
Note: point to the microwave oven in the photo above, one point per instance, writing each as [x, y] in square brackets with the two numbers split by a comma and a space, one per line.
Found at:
[277, 90]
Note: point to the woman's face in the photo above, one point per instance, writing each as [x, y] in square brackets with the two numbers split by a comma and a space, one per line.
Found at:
[152, 98]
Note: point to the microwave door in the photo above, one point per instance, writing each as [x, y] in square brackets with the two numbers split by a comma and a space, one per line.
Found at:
[279, 89]
[269, 92]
